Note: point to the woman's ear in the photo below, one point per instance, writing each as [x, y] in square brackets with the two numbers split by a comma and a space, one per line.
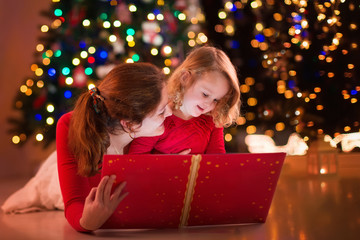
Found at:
[126, 125]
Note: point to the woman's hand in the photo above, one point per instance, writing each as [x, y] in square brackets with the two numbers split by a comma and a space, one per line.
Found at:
[100, 203]
[184, 152]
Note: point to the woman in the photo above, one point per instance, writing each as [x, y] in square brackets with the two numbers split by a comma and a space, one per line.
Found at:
[130, 102]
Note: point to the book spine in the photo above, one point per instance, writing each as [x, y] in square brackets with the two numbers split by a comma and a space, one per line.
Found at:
[190, 188]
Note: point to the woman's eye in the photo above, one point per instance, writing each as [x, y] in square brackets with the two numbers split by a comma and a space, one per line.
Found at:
[205, 95]
[216, 101]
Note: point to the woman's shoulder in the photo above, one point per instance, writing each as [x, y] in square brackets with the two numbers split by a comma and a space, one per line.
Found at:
[65, 119]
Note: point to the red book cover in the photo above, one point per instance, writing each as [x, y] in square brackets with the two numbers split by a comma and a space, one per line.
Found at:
[170, 191]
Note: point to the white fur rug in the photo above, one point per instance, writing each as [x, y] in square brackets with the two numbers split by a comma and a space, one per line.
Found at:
[41, 193]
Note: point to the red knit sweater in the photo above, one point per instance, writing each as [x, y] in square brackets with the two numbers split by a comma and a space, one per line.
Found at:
[198, 134]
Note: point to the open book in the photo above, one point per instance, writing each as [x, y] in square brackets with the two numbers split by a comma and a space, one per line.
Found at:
[168, 191]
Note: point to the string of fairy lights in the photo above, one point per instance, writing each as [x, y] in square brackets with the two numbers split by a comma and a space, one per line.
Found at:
[90, 59]
[277, 33]
[276, 36]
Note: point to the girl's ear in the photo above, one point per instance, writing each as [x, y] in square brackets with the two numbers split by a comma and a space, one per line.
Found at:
[185, 78]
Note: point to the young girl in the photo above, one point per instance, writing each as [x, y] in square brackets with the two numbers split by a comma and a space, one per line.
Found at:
[131, 100]
[204, 91]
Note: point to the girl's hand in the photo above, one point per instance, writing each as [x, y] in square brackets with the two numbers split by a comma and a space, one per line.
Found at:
[100, 203]
[184, 152]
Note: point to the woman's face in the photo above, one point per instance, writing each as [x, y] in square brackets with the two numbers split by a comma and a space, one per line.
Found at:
[153, 124]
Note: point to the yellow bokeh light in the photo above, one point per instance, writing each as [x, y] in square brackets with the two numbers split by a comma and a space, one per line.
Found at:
[132, 8]
[69, 80]
[29, 82]
[252, 101]
[250, 81]
[292, 73]
[228, 137]
[39, 137]
[166, 70]
[317, 89]
[167, 50]
[160, 17]
[39, 72]
[50, 108]
[280, 126]
[39, 47]
[192, 43]
[46, 61]
[259, 27]
[167, 62]
[91, 86]
[106, 24]
[16, 139]
[44, 28]
[222, 15]
[131, 44]
[288, 94]
[254, 43]
[194, 20]
[50, 121]
[182, 17]
[251, 129]
[244, 88]
[92, 50]
[56, 23]
[33, 67]
[112, 38]
[23, 88]
[151, 16]
[76, 61]
[84, 54]
[277, 16]
[229, 29]
[240, 121]
[319, 107]
[154, 51]
[191, 34]
[28, 92]
[117, 23]
[40, 84]
[86, 23]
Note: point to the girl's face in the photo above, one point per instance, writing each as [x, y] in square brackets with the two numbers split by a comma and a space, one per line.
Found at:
[202, 96]
[153, 124]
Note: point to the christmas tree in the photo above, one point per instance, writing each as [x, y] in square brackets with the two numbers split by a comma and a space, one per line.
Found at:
[297, 63]
[85, 39]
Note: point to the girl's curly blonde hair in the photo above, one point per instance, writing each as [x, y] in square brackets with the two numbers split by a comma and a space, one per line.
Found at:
[200, 61]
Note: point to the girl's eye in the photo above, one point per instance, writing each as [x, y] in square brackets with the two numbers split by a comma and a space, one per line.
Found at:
[216, 101]
[205, 95]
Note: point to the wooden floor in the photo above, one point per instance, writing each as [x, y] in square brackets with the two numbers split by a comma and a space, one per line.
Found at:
[304, 207]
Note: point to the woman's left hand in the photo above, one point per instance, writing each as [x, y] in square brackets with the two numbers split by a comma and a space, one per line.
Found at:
[100, 203]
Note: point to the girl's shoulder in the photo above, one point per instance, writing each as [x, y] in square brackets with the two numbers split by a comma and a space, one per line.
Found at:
[206, 120]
